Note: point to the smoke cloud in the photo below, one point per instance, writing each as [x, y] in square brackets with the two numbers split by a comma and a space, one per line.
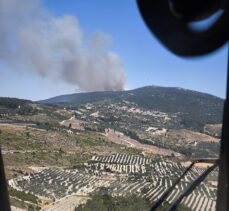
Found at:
[56, 47]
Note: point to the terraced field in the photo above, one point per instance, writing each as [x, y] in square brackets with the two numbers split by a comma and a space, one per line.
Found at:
[121, 175]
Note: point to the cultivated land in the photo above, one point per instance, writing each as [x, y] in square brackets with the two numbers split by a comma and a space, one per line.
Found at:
[108, 150]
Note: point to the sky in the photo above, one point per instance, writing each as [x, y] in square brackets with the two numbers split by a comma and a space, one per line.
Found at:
[122, 53]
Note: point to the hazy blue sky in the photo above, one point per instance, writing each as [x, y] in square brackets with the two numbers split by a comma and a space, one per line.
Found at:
[145, 61]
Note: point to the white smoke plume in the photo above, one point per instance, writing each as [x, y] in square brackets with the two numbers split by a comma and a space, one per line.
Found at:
[55, 47]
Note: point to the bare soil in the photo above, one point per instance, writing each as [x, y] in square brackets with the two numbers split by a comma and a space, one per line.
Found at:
[120, 138]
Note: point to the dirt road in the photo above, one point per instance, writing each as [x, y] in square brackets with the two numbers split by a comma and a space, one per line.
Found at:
[120, 138]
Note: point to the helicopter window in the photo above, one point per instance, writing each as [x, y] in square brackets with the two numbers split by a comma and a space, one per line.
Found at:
[96, 114]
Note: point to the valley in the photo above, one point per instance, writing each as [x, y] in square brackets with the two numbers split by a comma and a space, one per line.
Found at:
[60, 154]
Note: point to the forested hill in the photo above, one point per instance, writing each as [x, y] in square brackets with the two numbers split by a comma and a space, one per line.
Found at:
[192, 104]
[12, 103]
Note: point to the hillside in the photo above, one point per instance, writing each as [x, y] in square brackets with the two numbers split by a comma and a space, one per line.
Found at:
[196, 109]
[16, 106]
[131, 145]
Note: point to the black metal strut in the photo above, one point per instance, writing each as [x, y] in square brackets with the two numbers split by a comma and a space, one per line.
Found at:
[223, 179]
[190, 188]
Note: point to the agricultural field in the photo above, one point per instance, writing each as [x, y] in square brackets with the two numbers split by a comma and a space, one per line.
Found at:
[103, 153]
[119, 175]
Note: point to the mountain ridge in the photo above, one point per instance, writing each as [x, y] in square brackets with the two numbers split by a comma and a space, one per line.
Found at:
[53, 99]
[195, 108]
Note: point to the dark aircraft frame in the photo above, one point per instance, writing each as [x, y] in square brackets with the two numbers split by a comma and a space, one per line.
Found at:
[169, 21]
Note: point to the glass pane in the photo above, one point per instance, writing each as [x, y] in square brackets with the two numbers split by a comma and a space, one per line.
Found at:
[95, 114]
